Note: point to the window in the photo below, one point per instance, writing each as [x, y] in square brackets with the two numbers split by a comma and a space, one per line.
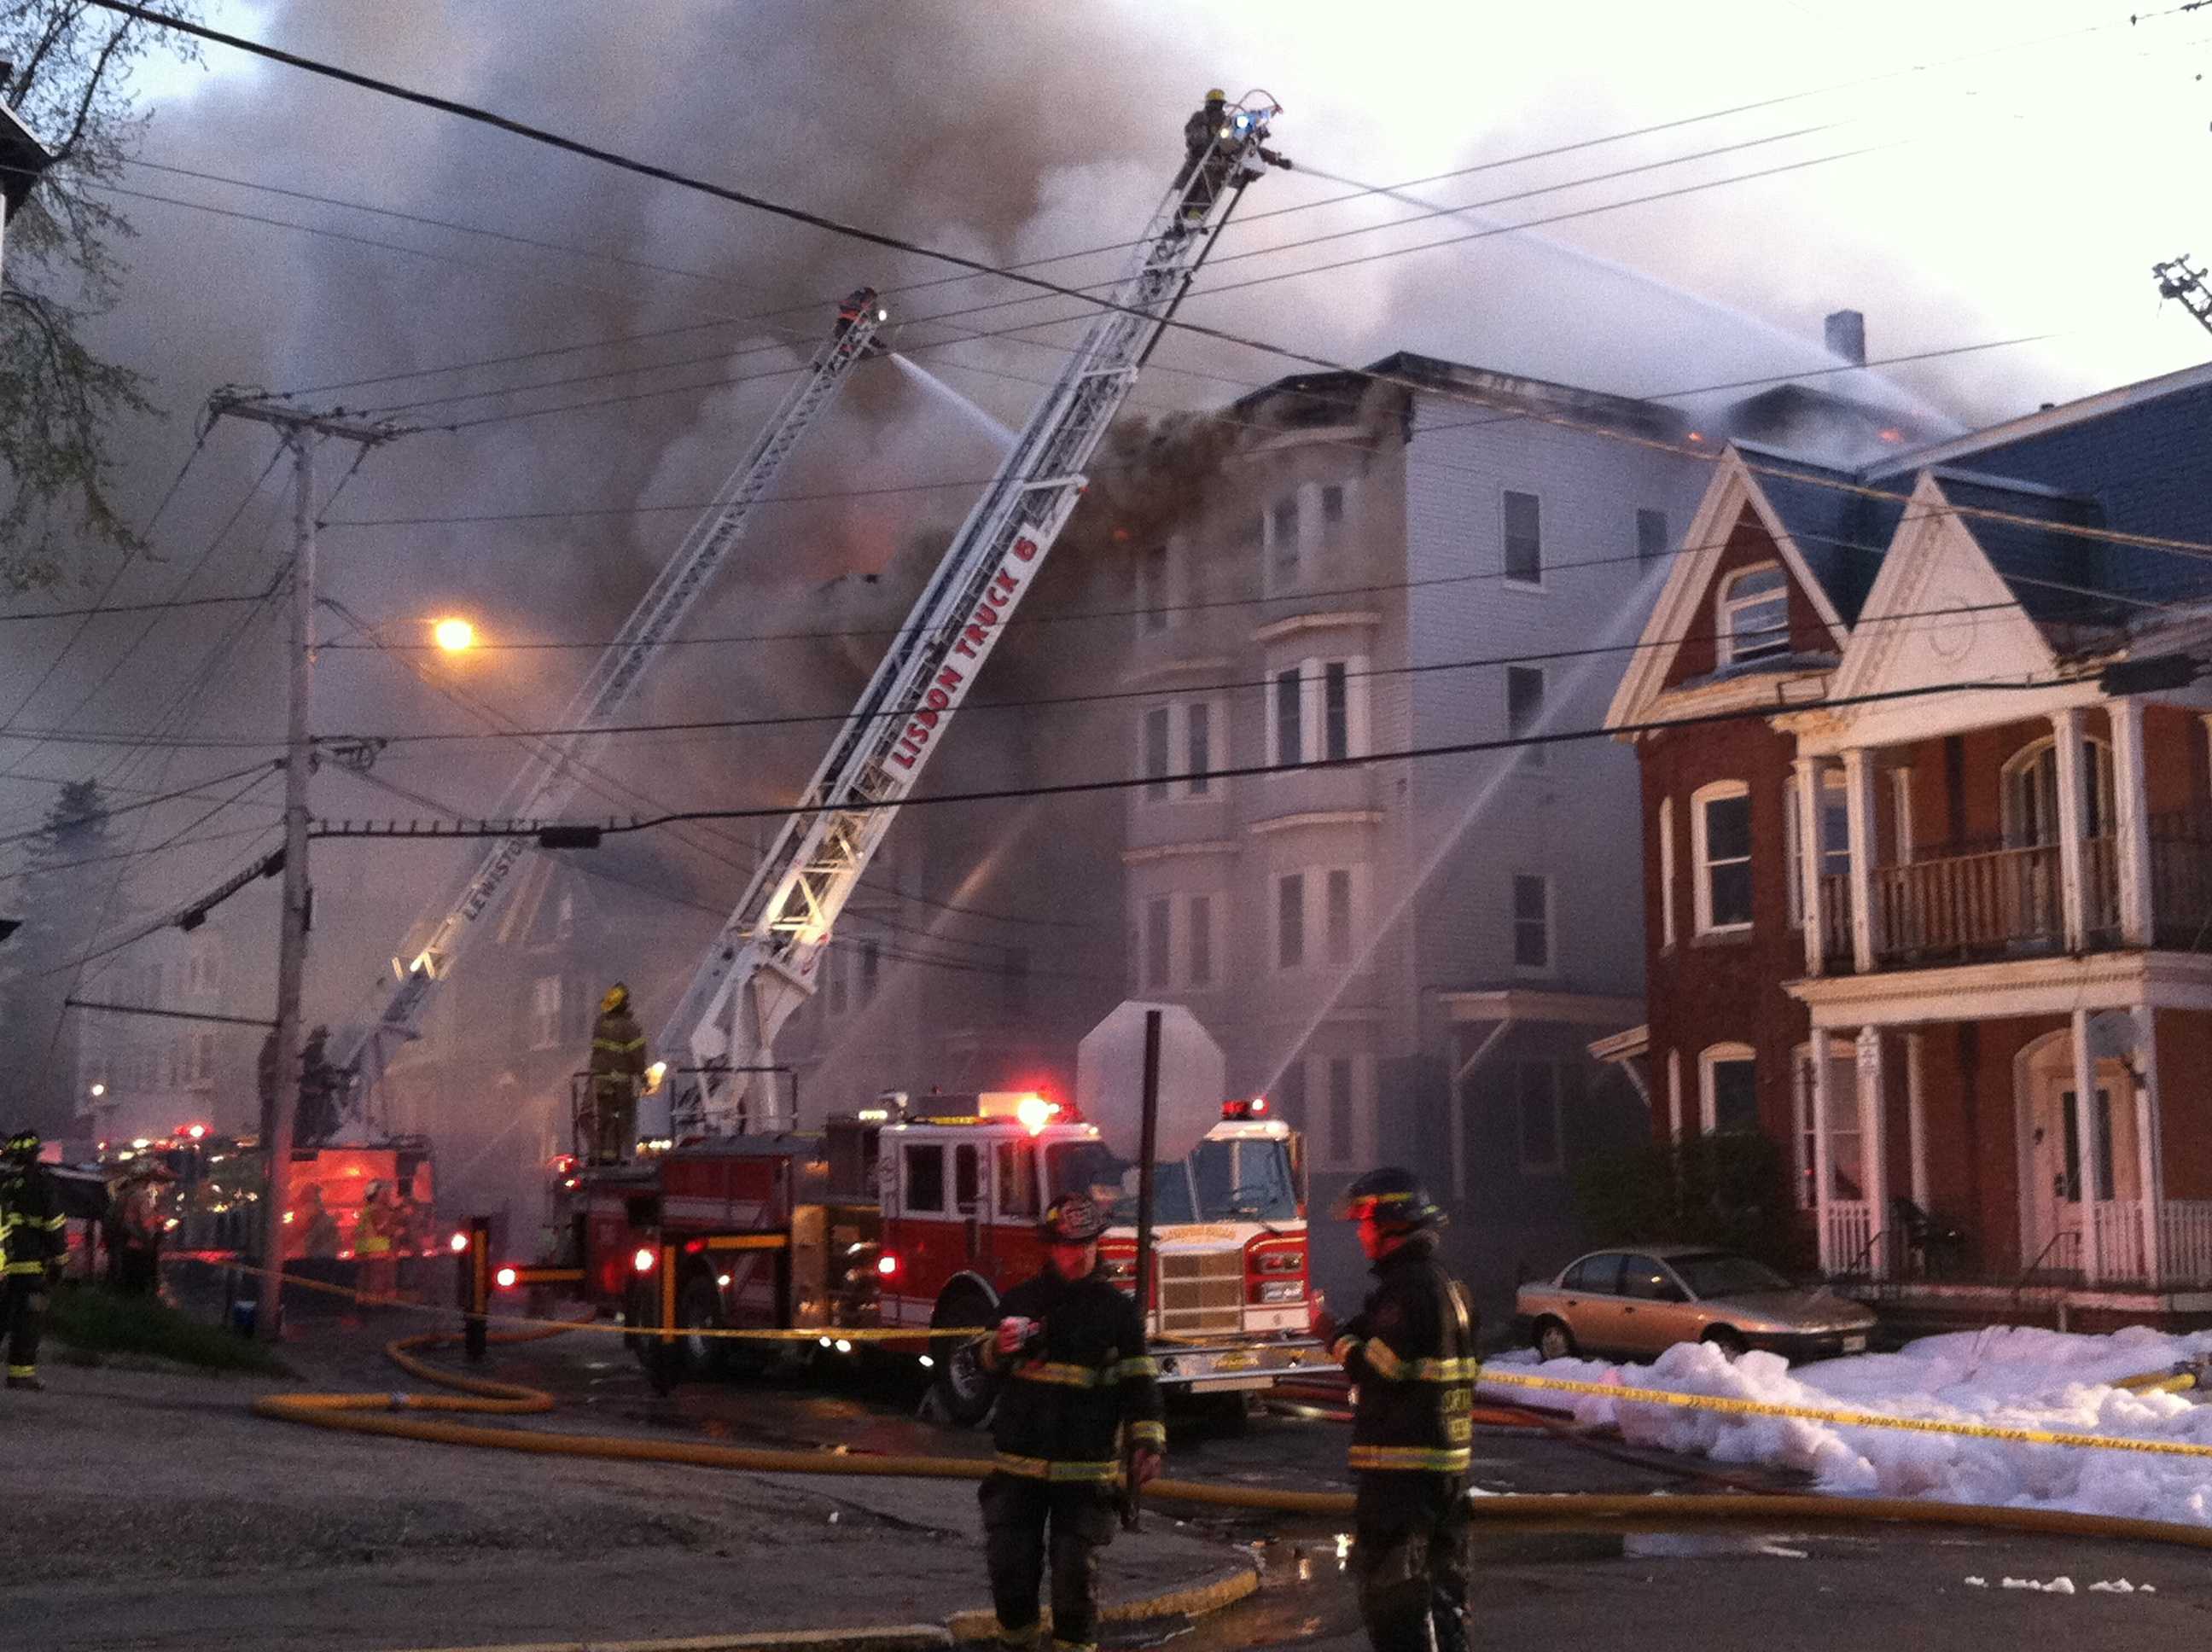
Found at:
[2031, 794]
[1014, 981]
[1524, 710]
[1524, 542]
[545, 1013]
[967, 1177]
[1198, 741]
[1646, 1280]
[1341, 1115]
[1157, 940]
[2070, 1189]
[1290, 736]
[1153, 588]
[1017, 1179]
[1282, 535]
[1339, 915]
[1597, 1276]
[1532, 921]
[1650, 535]
[1844, 1170]
[199, 1058]
[1835, 837]
[1538, 1088]
[1156, 752]
[924, 1177]
[1336, 736]
[1332, 508]
[871, 955]
[833, 978]
[1720, 829]
[1730, 1077]
[1291, 921]
[1199, 925]
[1666, 871]
[1753, 616]
[204, 971]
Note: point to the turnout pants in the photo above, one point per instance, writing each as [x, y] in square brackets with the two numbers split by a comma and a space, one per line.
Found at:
[25, 1311]
[613, 1122]
[1410, 1560]
[1016, 1514]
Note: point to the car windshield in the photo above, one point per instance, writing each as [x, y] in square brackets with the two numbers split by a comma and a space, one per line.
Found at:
[1234, 1181]
[1716, 1274]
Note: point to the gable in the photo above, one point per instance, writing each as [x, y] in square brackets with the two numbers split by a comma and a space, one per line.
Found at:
[1749, 545]
[1938, 611]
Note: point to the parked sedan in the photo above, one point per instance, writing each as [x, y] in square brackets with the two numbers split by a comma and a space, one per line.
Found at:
[1638, 1304]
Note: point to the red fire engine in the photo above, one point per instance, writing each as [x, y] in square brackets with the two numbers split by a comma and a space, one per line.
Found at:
[922, 1215]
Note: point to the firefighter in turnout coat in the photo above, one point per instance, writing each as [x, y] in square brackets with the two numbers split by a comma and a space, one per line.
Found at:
[618, 1074]
[1411, 1352]
[1078, 1393]
[33, 1239]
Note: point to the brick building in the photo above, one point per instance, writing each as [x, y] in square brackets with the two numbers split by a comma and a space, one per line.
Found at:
[1946, 935]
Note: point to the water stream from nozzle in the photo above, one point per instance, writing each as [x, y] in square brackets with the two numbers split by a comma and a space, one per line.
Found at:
[968, 410]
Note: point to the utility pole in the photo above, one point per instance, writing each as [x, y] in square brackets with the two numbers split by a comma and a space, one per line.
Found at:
[2177, 280]
[301, 431]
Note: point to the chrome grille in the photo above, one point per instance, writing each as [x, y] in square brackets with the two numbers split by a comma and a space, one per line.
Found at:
[1201, 1291]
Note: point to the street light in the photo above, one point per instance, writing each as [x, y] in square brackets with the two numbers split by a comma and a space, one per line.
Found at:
[98, 1090]
[454, 636]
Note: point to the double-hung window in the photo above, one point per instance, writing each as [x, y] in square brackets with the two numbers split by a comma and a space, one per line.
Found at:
[1532, 922]
[1524, 711]
[1524, 539]
[1720, 829]
[1753, 621]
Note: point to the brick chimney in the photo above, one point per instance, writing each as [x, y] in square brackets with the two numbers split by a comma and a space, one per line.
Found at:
[1847, 334]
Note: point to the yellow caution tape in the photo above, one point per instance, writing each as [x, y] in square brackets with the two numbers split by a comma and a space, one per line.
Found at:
[1841, 1418]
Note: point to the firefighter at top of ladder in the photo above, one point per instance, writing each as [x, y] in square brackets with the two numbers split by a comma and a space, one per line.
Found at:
[1211, 138]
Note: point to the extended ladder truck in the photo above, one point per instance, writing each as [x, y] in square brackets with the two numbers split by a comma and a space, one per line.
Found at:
[896, 1216]
[545, 788]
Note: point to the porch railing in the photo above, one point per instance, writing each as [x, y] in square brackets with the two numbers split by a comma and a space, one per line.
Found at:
[1993, 904]
[1847, 1240]
[2181, 881]
[1836, 947]
[2184, 1233]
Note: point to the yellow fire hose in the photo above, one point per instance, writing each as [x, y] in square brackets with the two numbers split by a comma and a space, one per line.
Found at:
[388, 1414]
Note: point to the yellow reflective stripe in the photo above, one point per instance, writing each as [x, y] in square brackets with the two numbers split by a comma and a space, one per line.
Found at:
[1135, 1366]
[1062, 1375]
[1341, 1349]
[57, 1224]
[1420, 1459]
[1048, 1468]
[1445, 1370]
[1384, 1362]
[24, 1267]
[22, 1371]
[1149, 1434]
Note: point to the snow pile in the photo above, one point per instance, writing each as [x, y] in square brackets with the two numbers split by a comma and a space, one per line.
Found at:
[2010, 1377]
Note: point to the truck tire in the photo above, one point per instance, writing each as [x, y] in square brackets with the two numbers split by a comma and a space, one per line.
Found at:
[965, 1391]
[699, 1308]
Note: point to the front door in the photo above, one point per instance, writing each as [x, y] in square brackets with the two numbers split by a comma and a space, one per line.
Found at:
[2055, 1195]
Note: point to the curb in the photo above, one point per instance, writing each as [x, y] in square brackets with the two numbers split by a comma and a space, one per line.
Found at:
[962, 1628]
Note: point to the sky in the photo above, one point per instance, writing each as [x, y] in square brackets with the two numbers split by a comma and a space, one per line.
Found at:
[1963, 174]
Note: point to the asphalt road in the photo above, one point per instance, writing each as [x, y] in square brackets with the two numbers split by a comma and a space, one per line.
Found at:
[1770, 1590]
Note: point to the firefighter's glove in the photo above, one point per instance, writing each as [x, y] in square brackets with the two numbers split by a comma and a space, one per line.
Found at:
[1144, 1466]
[1013, 1333]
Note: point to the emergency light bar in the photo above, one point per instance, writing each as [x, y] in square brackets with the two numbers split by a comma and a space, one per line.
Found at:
[1251, 1107]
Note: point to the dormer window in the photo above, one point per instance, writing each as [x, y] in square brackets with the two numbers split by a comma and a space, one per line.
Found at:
[1753, 615]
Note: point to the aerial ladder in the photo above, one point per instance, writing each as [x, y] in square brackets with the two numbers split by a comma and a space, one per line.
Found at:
[761, 966]
[545, 788]
[2177, 280]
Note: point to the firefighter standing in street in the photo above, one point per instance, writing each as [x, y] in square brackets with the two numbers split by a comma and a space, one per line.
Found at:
[1078, 1391]
[33, 1239]
[617, 1072]
[1411, 1352]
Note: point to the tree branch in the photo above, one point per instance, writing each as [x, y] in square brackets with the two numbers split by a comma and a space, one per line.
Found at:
[68, 148]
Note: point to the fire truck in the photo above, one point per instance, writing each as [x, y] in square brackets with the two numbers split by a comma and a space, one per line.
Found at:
[922, 1213]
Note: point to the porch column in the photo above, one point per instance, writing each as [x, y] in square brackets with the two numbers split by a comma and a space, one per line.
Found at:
[1873, 1149]
[2150, 1150]
[2066, 730]
[2131, 823]
[1807, 869]
[1915, 1114]
[1823, 1173]
[2085, 1132]
[1858, 798]
[1674, 1096]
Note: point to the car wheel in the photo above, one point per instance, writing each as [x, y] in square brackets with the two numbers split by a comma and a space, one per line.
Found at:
[965, 1390]
[1553, 1340]
[1728, 1340]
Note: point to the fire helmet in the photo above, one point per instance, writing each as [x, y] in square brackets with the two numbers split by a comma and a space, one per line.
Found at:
[1391, 1197]
[1073, 1219]
[23, 1146]
[618, 996]
[1215, 94]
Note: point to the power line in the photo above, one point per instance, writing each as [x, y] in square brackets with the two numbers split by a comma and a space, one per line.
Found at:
[98, 609]
[106, 813]
[439, 832]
